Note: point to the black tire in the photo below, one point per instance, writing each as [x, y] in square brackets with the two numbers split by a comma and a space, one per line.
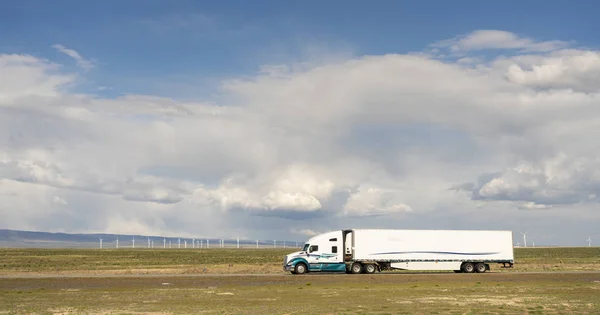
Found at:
[301, 268]
[468, 267]
[356, 268]
[370, 268]
[480, 267]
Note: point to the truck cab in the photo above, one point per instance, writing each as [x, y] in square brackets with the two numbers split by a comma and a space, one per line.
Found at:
[324, 252]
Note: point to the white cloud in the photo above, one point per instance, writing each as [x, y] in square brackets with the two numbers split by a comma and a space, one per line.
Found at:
[559, 180]
[497, 39]
[24, 76]
[373, 141]
[372, 201]
[81, 62]
[38, 168]
[576, 70]
[59, 201]
[295, 188]
[534, 206]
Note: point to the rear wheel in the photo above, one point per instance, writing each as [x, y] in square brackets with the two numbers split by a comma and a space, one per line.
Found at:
[300, 268]
[480, 267]
[468, 267]
[370, 268]
[356, 268]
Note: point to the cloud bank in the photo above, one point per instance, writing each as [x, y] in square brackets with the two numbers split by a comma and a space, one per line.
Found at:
[396, 140]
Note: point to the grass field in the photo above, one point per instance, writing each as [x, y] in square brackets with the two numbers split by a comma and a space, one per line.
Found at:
[182, 261]
[141, 260]
[499, 293]
[146, 281]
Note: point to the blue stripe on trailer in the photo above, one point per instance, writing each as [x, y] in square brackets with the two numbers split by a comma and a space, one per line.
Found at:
[431, 252]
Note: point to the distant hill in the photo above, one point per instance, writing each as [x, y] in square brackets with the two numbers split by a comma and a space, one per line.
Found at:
[32, 239]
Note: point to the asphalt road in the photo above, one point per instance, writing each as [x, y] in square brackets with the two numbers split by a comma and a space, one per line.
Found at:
[278, 275]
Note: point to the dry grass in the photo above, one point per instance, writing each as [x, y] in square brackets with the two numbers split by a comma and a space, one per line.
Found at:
[277, 293]
[246, 261]
[501, 293]
[139, 261]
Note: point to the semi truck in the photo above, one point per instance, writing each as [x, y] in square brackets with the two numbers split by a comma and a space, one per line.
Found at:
[366, 251]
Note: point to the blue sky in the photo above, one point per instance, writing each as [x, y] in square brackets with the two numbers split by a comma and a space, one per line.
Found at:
[268, 119]
[182, 48]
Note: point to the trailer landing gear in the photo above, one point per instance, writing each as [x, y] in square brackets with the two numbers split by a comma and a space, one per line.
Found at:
[510, 265]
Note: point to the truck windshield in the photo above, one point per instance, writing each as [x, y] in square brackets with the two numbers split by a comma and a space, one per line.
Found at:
[305, 248]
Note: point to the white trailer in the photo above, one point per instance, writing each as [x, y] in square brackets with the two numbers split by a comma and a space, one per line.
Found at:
[370, 250]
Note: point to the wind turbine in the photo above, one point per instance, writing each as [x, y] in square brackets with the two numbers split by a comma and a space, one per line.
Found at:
[589, 241]
[524, 238]
[100, 243]
[148, 242]
[238, 242]
[193, 243]
[117, 242]
[133, 242]
[178, 243]
[164, 243]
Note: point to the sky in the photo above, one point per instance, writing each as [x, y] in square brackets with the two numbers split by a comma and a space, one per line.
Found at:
[273, 120]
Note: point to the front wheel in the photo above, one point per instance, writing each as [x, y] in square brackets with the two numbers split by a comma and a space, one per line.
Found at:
[300, 268]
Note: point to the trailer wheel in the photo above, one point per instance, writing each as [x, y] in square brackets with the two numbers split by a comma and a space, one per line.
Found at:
[300, 268]
[356, 268]
[370, 268]
[468, 267]
[480, 267]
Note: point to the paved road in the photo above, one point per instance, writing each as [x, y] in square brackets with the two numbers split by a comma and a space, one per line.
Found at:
[217, 275]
